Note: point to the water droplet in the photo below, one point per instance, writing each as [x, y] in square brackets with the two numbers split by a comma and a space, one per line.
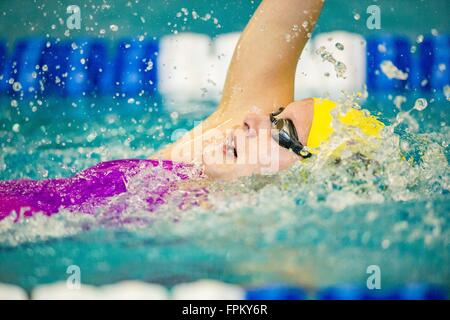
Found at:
[381, 48]
[385, 244]
[421, 104]
[391, 71]
[91, 137]
[149, 66]
[339, 66]
[339, 46]
[17, 86]
[419, 38]
[446, 90]
[398, 101]
[16, 127]
[174, 115]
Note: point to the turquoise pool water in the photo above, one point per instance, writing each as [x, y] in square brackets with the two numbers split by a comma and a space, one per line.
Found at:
[315, 225]
[318, 224]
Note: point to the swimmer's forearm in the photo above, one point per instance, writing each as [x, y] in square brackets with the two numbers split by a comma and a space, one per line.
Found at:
[266, 57]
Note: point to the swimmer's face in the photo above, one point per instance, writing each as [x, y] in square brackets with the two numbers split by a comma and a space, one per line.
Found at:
[251, 149]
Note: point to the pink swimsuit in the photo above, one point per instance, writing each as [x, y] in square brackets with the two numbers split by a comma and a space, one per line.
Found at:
[94, 187]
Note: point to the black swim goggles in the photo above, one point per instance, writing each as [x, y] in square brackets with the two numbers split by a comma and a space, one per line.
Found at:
[284, 133]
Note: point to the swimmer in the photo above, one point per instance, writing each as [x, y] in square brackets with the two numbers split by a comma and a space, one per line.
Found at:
[257, 127]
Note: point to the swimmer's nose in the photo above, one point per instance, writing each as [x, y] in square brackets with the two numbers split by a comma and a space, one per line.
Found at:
[252, 123]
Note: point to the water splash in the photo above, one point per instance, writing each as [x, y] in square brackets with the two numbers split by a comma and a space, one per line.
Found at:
[339, 66]
[391, 71]
[323, 220]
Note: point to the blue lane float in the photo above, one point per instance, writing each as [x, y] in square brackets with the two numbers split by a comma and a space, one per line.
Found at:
[435, 61]
[86, 64]
[20, 76]
[54, 68]
[3, 56]
[413, 291]
[276, 292]
[419, 291]
[395, 49]
[341, 292]
[74, 68]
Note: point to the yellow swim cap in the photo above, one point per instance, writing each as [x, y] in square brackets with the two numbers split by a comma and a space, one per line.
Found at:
[321, 128]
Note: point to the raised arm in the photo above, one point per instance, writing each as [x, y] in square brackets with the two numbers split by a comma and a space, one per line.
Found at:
[262, 70]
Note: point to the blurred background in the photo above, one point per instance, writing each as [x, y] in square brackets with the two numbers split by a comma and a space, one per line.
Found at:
[112, 90]
[21, 18]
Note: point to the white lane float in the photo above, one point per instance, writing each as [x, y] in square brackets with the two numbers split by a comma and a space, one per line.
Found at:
[207, 290]
[182, 65]
[126, 290]
[12, 292]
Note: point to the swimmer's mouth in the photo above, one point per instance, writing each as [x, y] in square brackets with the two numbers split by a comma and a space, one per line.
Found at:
[229, 146]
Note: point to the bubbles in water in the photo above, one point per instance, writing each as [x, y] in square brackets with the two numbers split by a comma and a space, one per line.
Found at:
[356, 16]
[114, 27]
[14, 103]
[421, 104]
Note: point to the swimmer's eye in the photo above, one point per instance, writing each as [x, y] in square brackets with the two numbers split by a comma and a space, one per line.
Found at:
[234, 147]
